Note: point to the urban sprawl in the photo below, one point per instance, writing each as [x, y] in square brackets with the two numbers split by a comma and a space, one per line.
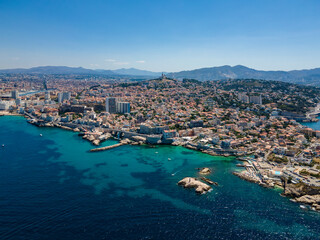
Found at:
[257, 121]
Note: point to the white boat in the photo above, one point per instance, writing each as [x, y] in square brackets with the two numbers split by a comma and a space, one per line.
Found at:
[2, 145]
[303, 207]
[40, 135]
[169, 159]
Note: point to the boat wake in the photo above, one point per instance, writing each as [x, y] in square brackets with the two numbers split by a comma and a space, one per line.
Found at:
[176, 172]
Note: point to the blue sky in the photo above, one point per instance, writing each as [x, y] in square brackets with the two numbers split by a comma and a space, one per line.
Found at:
[160, 35]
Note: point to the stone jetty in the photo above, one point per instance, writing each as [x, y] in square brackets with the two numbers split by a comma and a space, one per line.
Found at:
[123, 142]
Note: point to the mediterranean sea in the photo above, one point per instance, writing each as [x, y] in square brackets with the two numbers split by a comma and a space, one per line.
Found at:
[51, 187]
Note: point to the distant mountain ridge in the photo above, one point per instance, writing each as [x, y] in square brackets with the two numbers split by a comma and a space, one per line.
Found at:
[79, 70]
[56, 70]
[307, 76]
[136, 72]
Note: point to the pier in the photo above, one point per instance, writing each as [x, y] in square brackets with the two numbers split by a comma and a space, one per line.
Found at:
[124, 142]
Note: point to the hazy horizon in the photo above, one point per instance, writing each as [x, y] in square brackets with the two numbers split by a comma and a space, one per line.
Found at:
[142, 69]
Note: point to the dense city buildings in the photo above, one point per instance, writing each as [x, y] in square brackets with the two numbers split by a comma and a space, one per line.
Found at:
[226, 118]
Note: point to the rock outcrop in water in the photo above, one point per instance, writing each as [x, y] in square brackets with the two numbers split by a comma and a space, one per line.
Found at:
[205, 171]
[199, 186]
[313, 200]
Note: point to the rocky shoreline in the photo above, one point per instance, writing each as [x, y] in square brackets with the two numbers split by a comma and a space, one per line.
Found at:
[303, 193]
[299, 192]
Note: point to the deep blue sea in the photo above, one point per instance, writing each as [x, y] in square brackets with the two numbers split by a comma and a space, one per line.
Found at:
[51, 187]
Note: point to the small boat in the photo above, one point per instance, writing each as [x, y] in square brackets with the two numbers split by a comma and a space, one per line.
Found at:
[169, 159]
[40, 135]
[2, 145]
[303, 207]
[156, 152]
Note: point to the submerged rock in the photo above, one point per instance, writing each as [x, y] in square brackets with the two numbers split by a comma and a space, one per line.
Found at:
[199, 186]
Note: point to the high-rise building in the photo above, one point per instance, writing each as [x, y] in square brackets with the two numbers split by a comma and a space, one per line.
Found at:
[47, 95]
[243, 97]
[111, 105]
[18, 101]
[64, 96]
[256, 99]
[15, 94]
[123, 107]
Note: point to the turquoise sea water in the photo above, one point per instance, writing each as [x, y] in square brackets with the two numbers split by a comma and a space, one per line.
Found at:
[51, 187]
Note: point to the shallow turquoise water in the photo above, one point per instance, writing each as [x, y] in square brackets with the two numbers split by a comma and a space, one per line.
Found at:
[51, 187]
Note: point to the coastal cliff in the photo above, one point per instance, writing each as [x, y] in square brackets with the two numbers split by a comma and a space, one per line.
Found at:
[299, 190]
[313, 200]
[303, 193]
